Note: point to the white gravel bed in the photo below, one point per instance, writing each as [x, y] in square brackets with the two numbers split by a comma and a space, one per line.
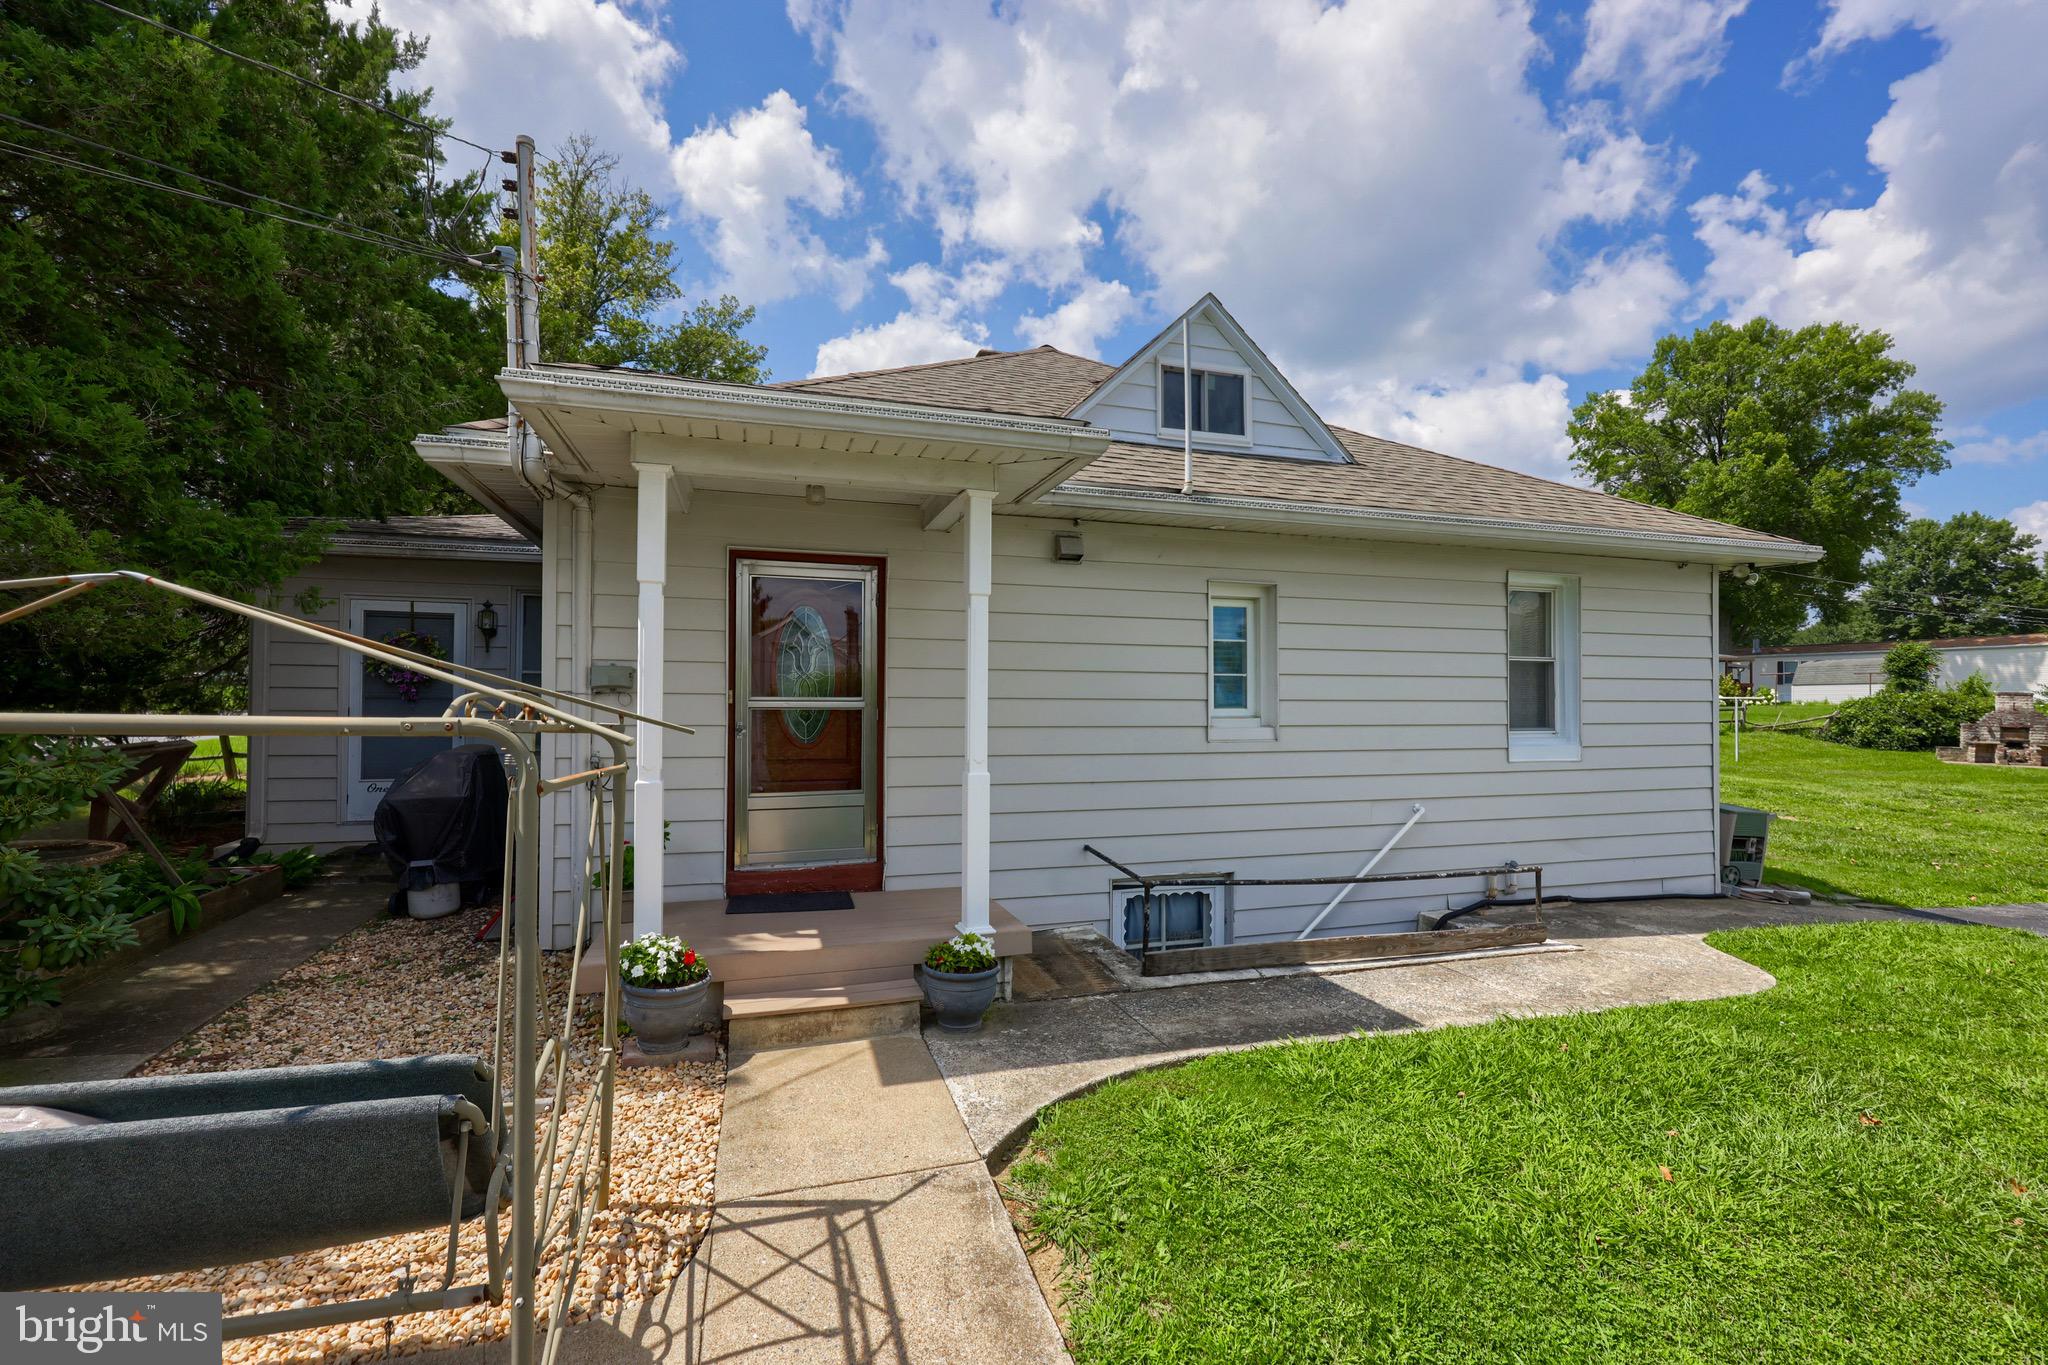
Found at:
[401, 987]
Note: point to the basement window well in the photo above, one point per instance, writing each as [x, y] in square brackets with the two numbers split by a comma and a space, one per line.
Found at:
[1182, 916]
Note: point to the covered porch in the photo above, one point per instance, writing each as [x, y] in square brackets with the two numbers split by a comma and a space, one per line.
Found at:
[712, 534]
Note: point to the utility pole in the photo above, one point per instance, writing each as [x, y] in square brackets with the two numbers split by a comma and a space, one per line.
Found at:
[522, 315]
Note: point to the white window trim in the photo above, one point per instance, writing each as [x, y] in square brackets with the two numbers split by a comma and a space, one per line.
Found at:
[1259, 721]
[1168, 433]
[1562, 744]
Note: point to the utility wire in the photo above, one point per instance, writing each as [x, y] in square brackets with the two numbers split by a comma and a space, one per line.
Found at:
[307, 81]
[388, 243]
[2013, 615]
[391, 238]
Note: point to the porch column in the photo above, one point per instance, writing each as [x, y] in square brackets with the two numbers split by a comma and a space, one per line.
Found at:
[974, 784]
[652, 560]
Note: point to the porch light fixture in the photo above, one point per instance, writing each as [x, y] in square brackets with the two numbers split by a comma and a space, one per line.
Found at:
[487, 621]
[1066, 547]
[814, 494]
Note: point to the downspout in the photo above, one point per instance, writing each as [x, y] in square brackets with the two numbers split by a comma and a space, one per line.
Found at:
[1415, 813]
[1187, 413]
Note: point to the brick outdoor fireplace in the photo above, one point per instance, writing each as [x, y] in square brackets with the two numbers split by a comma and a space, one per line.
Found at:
[2013, 733]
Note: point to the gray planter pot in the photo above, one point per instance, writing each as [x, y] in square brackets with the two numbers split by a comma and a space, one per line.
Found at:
[664, 1017]
[959, 998]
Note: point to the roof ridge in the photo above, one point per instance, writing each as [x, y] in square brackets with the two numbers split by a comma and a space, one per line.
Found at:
[981, 355]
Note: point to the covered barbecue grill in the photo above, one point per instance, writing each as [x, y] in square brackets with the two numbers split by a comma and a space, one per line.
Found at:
[443, 824]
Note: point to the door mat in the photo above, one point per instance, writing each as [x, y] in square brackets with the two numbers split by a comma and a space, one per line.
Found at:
[788, 902]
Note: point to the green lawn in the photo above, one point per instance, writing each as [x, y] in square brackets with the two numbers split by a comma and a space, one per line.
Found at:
[1857, 1164]
[1904, 828]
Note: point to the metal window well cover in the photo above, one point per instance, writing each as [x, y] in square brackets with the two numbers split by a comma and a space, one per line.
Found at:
[444, 822]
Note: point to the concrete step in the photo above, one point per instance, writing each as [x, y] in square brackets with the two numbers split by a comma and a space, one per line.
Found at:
[787, 1017]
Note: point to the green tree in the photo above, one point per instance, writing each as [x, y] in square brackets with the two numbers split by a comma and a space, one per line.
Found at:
[1909, 666]
[178, 379]
[1809, 433]
[606, 279]
[1969, 575]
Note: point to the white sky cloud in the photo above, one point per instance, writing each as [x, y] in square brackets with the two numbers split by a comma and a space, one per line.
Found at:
[1388, 156]
[1096, 309]
[1948, 259]
[1649, 49]
[1505, 421]
[546, 67]
[2032, 518]
[1976, 446]
[751, 179]
[938, 324]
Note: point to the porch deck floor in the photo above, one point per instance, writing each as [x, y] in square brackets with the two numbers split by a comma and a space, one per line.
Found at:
[881, 936]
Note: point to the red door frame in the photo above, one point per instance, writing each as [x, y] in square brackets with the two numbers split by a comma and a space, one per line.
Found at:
[835, 876]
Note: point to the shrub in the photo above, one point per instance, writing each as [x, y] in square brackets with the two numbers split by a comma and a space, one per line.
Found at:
[1910, 666]
[52, 919]
[961, 953]
[1907, 718]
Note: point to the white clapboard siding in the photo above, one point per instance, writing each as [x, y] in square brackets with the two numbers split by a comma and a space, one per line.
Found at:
[1130, 407]
[1392, 690]
[296, 781]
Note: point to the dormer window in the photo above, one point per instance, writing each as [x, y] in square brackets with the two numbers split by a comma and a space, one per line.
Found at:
[1218, 401]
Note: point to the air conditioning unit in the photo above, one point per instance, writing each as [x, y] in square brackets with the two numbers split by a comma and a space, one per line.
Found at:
[1745, 835]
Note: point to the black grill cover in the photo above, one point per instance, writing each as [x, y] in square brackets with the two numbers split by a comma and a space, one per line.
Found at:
[449, 812]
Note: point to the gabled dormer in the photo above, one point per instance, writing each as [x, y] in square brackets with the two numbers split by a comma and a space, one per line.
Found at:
[1239, 403]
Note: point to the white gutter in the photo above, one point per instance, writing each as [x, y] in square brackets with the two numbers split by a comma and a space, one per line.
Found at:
[608, 390]
[1307, 518]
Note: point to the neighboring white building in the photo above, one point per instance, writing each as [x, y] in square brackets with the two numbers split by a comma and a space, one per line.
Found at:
[433, 575]
[936, 627]
[2010, 663]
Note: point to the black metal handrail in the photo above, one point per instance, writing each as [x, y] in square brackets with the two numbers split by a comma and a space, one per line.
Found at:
[1147, 883]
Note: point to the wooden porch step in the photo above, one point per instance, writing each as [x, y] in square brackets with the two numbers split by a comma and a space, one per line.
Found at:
[746, 1002]
[787, 1017]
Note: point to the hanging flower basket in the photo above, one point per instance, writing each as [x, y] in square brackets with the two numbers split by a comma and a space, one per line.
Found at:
[408, 682]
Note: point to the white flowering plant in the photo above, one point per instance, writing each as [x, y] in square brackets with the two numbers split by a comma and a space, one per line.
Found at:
[660, 961]
[961, 953]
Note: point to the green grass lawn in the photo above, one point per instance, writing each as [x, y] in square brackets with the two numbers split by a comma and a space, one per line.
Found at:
[1904, 828]
[1852, 1166]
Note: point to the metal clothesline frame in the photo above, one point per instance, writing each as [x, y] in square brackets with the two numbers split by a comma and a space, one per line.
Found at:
[556, 1192]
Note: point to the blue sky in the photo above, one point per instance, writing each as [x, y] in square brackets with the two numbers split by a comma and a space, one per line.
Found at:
[1448, 220]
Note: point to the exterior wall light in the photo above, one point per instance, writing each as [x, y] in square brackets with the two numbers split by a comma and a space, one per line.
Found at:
[1066, 547]
[487, 621]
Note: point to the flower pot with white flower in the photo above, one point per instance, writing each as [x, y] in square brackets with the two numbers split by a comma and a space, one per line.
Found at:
[664, 990]
[959, 980]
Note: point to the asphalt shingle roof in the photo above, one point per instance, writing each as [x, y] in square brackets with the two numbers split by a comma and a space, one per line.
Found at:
[1383, 474]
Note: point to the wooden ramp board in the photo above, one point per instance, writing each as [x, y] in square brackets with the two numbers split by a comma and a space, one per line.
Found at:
[1350, 948]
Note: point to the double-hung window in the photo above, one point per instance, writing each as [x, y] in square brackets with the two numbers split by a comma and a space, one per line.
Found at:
[1241, 661]
[1543, 666]
[1216, 407]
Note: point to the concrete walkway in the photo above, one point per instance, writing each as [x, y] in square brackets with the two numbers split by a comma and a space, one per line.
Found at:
[112, 1026]
[1031, 1053]
[853, 1222]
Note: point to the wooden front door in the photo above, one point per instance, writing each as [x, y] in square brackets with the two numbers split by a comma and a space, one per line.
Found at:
[806, 751]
